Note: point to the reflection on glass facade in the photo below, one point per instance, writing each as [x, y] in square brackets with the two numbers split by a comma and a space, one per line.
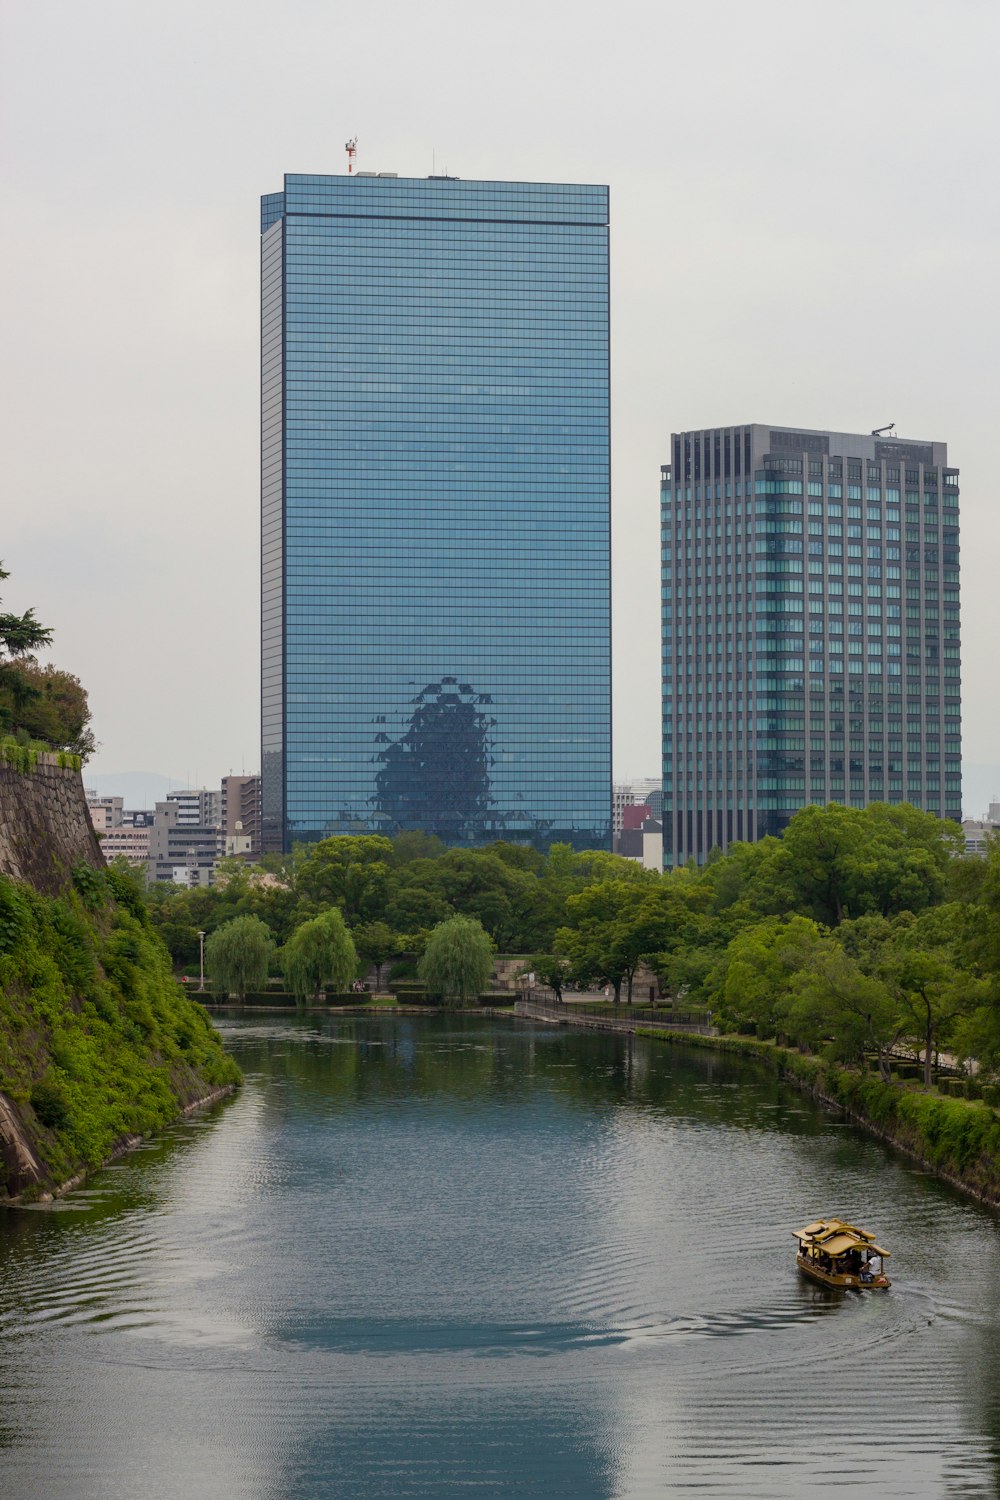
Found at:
[435, 510]
[811, 632]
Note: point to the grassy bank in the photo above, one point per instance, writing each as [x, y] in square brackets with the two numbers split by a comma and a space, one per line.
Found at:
[97, 1041]
[958, 1138]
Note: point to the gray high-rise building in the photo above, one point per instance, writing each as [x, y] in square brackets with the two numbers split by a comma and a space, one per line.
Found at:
[810, 630]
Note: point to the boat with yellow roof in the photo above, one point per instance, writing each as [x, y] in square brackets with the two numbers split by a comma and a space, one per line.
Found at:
[839, 1254]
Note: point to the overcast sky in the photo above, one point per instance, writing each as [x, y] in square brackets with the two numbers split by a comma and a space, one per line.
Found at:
[804, 231]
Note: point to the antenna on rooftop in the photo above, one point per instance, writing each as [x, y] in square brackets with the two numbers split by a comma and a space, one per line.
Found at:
[351, 147]
[878, 431]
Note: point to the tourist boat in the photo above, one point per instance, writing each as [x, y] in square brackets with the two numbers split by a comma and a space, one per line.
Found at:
[841, 1255]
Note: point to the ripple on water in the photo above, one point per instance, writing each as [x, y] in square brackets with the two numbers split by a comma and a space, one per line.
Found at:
[472, 1258]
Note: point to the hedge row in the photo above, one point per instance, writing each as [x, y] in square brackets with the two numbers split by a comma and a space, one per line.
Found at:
[281, 999]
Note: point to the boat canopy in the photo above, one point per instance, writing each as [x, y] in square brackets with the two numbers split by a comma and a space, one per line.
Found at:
[836, 1237]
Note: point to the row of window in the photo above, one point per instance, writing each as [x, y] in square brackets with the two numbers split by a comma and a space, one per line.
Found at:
[738, 488]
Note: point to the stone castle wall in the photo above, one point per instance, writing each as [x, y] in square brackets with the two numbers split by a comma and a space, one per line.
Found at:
[45, 826]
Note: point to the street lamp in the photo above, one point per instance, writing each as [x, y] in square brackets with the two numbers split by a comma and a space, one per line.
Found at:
[201, 962]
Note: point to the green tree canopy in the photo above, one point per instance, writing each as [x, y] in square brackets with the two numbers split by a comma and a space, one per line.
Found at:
[611, 926]
[458, 960]
[829, 999]
[375, 943]
[920, 965]
[476, 883]
[238, 955]
[750, 985]
[549, 969]
[319, 952]
[55, 709]
[842, 862]
[351, 872]
[20, 634]
[39, 703]
[416, 845]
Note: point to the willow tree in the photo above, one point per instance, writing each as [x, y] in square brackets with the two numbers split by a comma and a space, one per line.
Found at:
[238, 955]
[457, 961]
[319, 952]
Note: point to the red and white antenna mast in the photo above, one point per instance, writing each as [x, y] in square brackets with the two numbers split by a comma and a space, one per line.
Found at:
[352, 150]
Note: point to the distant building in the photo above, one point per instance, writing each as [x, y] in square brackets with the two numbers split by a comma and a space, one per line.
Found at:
[128, 841]
[239, 816]
[643, 843]
[621, 797]
[181, 840]
[810, 630]
[646, 792]
[105, 812]
[184, 839]
[197, 806]
[137, 818]
[977, 831]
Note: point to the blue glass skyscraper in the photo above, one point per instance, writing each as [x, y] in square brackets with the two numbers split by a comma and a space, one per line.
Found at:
[435, 510]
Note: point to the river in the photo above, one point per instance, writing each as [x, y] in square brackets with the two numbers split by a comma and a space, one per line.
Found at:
[451, 1257]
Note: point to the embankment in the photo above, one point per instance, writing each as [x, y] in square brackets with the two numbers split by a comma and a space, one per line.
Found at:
[957, 1139]
[98, 1044]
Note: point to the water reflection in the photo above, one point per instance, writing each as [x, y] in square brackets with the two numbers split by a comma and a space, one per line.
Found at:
[436, 776]
[428, 1257]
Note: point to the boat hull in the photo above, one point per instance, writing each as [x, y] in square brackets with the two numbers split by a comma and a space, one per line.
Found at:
[843, 1281]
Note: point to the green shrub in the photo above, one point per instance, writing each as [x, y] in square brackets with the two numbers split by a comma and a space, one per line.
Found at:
[91, 885]
[94, 1032]
[22, 757]
[49, 1101]
[14, 915]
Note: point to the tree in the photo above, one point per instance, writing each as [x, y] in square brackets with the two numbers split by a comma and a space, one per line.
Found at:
[919, 966]
[407, 847]
[351, 872]
[750, 984]
[841, 862]
[611, 927]
[238, 955]
[749, 881]
[832, 999]
[39, 703]
[20, 635]
[413, 909]
[375, 944]
[476, 883]
[319, 952]
[550, 969]
[56, 709]
[458, 960]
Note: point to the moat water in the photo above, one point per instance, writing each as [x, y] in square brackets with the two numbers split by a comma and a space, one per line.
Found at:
[461, 1257]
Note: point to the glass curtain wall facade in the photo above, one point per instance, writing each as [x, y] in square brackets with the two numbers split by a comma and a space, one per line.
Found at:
[810, 630]
[435, 510]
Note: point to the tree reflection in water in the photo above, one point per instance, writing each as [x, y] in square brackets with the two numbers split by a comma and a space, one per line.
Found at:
[435, 777]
